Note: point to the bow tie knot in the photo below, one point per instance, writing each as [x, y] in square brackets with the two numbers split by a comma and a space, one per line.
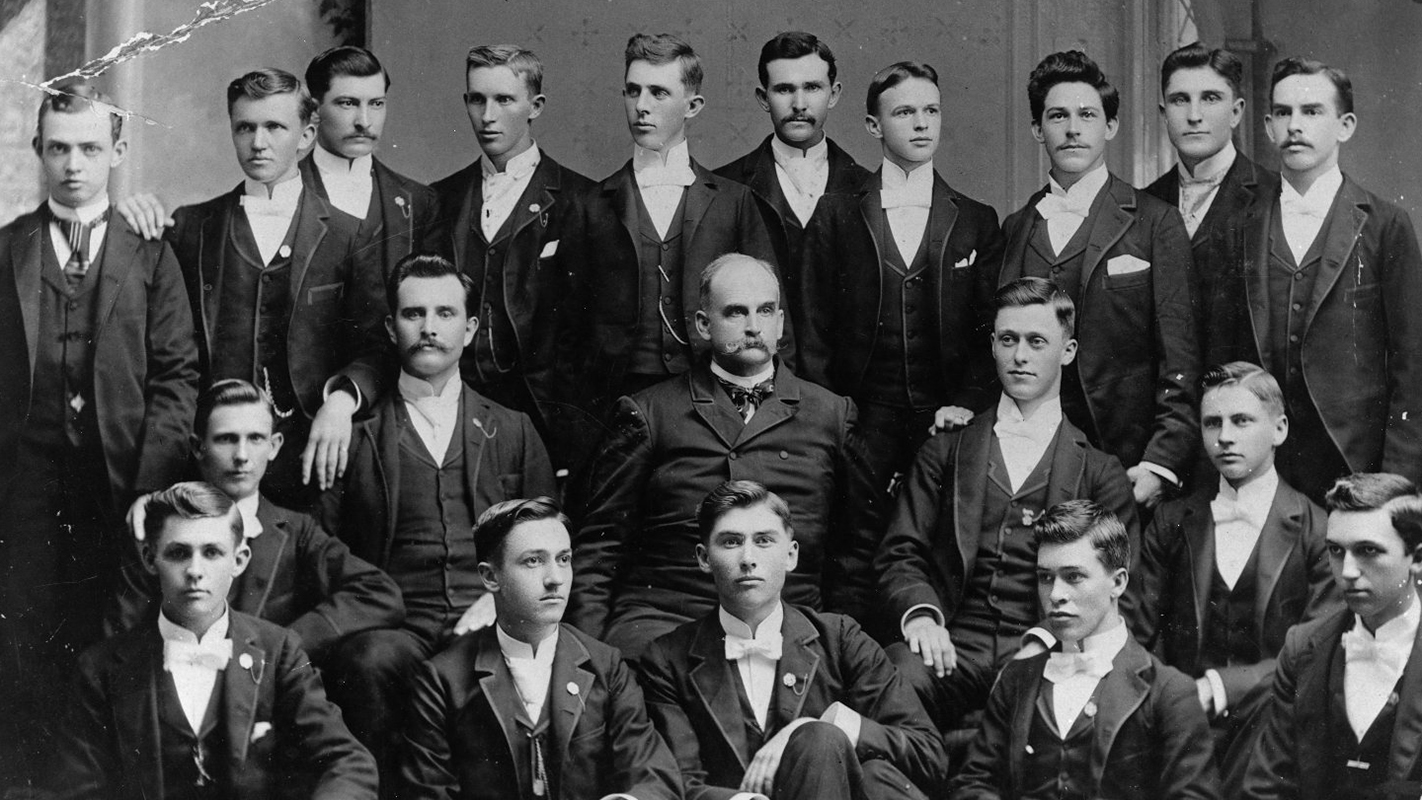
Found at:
[1055, 206]
[1027, 429]
[1359, 647]
[767, 645]
[1061, 666]
[211, 655]
[752, 396]
[1224, 510]
[1302, 207]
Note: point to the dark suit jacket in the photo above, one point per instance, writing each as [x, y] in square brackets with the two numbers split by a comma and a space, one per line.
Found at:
[458, 743]
[599, 252]
[408, 212]
[1166, 599]
[111, 750]
[145, 365]
[298, 577]
[841, 290]
[756, 170]
[1139, 360]
[670, 445]
[1293, 754]
[1150, 738]
[503, 460]
[1361, 334]
[928, 552]
[336, 307]
[691, 694]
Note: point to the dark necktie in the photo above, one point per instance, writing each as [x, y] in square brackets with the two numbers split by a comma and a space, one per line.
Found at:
[78, 235]
[747, 400]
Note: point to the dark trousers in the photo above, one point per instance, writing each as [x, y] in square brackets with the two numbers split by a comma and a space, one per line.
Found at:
[894, 434]
[982, 649]
[819, 763]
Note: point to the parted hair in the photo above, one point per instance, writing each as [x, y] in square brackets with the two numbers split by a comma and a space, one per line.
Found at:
[1299, 65]
[72, 97]
[791, 45]
[425, 265]
[1225, 64]
[189, 500]
[1252, 377]
[1031, 291]
[522, 62]
[1067, 522]
[345, 59]
[664, 48]
[893, 75]
[229, 392]
[732, 495]
[1071, 66]
[498, 521]
[1371, 491]
[262, 83]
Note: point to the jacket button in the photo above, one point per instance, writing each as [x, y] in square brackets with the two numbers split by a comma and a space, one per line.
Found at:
[73, 305]
[731, 456]
[784, 454]
[207, 287]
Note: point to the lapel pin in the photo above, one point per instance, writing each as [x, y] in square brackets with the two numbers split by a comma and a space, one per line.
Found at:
[1027, 516]
[573, 689]
[284, 251]
[1090, 709]
[535, 208]
[1030, 751]
[1393, 699]
[788, 680]
[245, 661]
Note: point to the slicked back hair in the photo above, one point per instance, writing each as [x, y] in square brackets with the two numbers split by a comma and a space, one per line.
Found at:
[425, 265]
[1252, 377]
[262, 83]
[229, 392]
[1032, 291]
[522, 62]
[190, 500]
[1071, 66]
[1225, 64]
[1371, 491]
[1067, 522]
[732, 495]
[664, 48]
[1298, 65]
[793, 45]
[893, 75]
[357, 62]
[73, 97]
[498, 521]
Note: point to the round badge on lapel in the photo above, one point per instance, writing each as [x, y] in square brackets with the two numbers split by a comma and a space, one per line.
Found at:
[284, 251]
[573, 689]
[535, 208]
[245, 661]
[1090, 709]
[788, 680]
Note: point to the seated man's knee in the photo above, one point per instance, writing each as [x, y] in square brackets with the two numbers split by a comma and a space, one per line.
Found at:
[379, 655]
[912, 670]
[818, 741]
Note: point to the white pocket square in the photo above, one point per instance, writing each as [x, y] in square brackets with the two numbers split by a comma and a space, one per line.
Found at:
[1125, 265]
[549, 249]
[260, 730]
[967, 262]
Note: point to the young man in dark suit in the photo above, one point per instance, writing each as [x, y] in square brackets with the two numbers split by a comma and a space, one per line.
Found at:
[636, 243]
[1224, 572]
[298, 576]
[956, 564]
[1347, 692]
[768, 700]
[529, 707]
[1319, 284]
[896, 278]
[1124, 258]
[203, 701]
[278, 297]
[797, 164]
[432, 457]
[100, 377]
[1100, 717]
[740, 413]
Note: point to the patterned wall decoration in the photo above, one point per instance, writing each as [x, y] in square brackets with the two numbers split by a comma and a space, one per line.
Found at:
[22, 36]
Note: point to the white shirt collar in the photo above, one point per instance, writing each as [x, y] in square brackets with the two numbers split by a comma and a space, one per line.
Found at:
[1320, 194]
[744, 382]
[287, 192]
[734, 626]
[173, 632]
[247, 507]
[330, 163]
[1400, 628]
[1216, 165]
[817, 153]
[1088, 185]
[919, 181]
[677, 156]
[412, 388]
[513, 648]
[521, 164]
[1257, 495]
[1048, 414]
[1110, 641]
[85, 213]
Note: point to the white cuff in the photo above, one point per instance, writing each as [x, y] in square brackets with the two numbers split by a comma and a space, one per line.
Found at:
[618, 796]
[1040, 634]
[919, 609]
[745, 796]
[1217, 688]
[330, 386]
[845, 718]
[1164, 473]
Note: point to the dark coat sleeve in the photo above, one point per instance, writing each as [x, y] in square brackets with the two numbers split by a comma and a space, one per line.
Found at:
[426, 771]
[909, 569]
[607, 504]
[1177, 345]
[1273, 771]
[814, 292]
[538, 477]
[1108, 485]
[984, 774]
[172, 377]
[1148, 600]
[856, 525]
[355, 595]
[642, 764]
[659, 680]
[87, 763]
[1187, 768]
[1401, 268]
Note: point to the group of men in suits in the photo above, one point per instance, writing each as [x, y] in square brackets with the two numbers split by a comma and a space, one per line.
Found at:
[399, 367]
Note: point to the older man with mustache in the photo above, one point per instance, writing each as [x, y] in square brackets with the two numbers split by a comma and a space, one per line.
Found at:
[738, 414]
[432, 457]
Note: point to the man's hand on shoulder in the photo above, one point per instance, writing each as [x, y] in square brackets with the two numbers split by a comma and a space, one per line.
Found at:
[950, 418]
[330, 441]
[145, 214]
[476, 617]
[931, 641]
[1148, 486]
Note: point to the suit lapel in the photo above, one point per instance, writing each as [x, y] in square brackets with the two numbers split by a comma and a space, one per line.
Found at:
[135, 706]
[1199, 527]
[1407, 729]
[714, 406]
[251, 590]
[1255, 229]
[568, 672]
[241, 685]
[970, 467]
[118, 257]
[1068, 464]
[623, 186]
[1344, 226]
[1115, 217]
[779, 408]
[395, 226]
[475, 411]
[212, 244]
[310, 231]
[1283, 529]
[699, 197]
[1122, 691]
[1017, 241]
[27, 260]
[715, 686]
[799, 659]
[1235, 192]
[496, 682]
[765, 182]
[384, 432]
[470, 212]
[1027, 704]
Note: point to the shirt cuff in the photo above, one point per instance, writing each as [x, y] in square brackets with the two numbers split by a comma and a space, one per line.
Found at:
[340, 383]
[1165, 474]
[1217, 688]
[618, 796]
[1040, 634]
[916, 611]
[845, 718]
[745, 796]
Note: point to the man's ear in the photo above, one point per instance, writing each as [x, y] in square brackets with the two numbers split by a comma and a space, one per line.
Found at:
[243, 556]
[470, 327]
[1069, 351]
[120, 152]
[703, 324]
[1037, 132]
[536, 102]
[390, 329]
[276, 439]
[695, 105]
[489, 576]
[149, 553]
[703, 558]
[762, 98]
[871, 124]
[1112, 126]
[793, 560]
[834, 94]
[1119, 580]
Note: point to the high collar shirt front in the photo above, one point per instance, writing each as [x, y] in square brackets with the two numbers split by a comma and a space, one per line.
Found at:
[1302, 215]
[348, 181]
[501, 190]
[433, 414]
[1023, 441]
[803, 175]
[907, 199]
[1374, 662]
[1066, 209]
[1071, 695]
[270, 211]
[1198, 190]
[247, 507]
[532, 668]
[661, 181]
[1239, 518]
[85, 214]
[194, 684]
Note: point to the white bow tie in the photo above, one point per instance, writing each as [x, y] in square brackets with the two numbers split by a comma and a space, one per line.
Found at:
[1023, 429]
[1225, 510]
[213, 655]
[1359, 647]
[1055, 206]
[1296, 205]
[904, 197]
[648, 177]
[1061, 666]
[768, 645]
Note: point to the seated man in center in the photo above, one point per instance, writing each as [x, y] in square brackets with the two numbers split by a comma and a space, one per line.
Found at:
[956, 567]
[761, 699]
